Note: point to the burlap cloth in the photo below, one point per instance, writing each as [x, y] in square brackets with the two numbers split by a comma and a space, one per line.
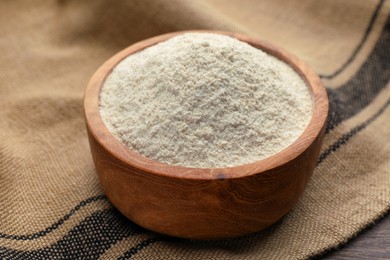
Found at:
[51, 204]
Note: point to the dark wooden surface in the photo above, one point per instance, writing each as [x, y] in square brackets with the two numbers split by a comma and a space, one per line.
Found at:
[372, 243]
[203, 203]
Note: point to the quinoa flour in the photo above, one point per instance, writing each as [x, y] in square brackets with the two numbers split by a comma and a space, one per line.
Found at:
[205, 100]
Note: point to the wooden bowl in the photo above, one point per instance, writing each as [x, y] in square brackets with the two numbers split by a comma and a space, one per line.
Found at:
[204, 203]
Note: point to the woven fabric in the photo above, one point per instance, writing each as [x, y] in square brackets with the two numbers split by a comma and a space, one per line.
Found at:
[51, 204]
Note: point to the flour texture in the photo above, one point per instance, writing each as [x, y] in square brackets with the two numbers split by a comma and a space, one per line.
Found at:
[205, 100]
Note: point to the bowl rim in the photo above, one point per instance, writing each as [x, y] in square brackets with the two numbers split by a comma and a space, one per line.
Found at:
[121, 152]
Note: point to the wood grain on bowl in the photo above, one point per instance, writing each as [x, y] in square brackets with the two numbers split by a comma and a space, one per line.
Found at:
[204, 203]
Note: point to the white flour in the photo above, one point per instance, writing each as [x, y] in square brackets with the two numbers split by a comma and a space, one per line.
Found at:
[205, 100]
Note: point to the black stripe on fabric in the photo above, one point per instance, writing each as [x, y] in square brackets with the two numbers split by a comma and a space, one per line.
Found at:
[88, 240]
[55, 225]
[345, 138]
[361, 43]
[134, 250]
[361, 89]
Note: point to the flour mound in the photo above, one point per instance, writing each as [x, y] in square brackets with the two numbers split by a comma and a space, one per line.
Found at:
[205, 100]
